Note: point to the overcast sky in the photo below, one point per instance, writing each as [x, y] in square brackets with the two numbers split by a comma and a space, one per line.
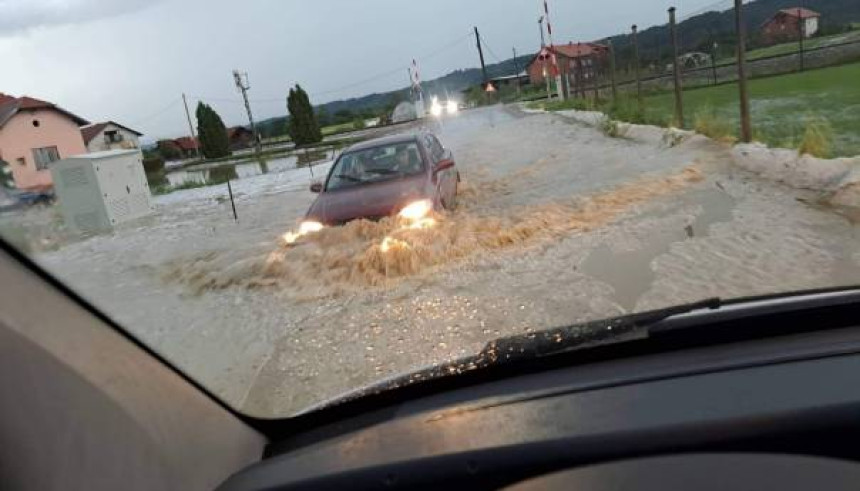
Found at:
[130, 60]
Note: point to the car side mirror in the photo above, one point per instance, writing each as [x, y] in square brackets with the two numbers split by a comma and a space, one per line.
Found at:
[316, 187]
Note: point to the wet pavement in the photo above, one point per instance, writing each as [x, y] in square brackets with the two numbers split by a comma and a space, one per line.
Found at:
[557, 224]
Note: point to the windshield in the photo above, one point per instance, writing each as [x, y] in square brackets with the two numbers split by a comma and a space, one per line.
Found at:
[292, 201]
[375, 164]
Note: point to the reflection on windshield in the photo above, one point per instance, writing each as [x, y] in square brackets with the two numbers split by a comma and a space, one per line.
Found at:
[328, 226]
[375, 164]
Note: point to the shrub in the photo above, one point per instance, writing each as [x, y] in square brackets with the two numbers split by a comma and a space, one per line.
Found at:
[817, 138]
[707, 122]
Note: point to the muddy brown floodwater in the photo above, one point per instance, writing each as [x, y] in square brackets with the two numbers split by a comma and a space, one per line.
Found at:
[557, 224]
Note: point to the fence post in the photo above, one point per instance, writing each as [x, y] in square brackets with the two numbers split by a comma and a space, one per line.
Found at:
[636, 65]
[592, 63]
[676, 68]
[612, 71]
[801, 25]
[714, 61]
[746, 127]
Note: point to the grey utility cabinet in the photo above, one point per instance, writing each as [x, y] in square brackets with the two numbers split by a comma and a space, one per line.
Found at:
[97, 191]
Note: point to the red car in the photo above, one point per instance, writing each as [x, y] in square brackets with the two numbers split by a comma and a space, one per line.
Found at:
[410, 175]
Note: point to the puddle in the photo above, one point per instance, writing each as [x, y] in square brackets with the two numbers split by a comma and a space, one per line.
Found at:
[629, 273]
[218, 173]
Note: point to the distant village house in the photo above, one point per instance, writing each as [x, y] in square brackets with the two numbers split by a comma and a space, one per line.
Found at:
[787, 24]
[578, 64]
[240, 137]
[110, 136]
[33, 134]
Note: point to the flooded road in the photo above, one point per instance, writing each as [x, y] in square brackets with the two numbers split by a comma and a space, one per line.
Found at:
[557, 224]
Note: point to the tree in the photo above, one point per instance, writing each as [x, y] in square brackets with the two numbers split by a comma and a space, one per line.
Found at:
[303, 126]
[211, 133]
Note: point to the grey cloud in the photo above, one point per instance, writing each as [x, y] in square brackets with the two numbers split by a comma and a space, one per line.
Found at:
[17, 16]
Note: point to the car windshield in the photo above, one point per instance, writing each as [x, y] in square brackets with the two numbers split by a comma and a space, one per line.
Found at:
[293, 201]
[375, 164]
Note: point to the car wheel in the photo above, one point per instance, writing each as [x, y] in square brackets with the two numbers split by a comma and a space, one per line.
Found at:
[451, 204]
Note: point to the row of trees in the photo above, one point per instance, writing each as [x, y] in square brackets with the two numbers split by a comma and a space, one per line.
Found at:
[303, 125]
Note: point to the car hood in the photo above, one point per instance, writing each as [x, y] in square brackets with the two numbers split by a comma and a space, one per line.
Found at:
[372, 200]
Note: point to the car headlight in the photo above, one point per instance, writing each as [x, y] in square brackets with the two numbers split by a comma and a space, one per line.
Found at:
[436, 109]
[306, 227]
[416, 210]
[452, 107]
[310, 226]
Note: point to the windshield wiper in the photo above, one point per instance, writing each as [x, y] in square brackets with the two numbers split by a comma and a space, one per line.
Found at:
[384, 172]
[561, 339]
[349, 178]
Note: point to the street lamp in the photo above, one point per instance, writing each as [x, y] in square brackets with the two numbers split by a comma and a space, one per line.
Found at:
[540, 26]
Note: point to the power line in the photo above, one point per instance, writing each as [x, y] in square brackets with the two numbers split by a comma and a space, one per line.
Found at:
[156, 114]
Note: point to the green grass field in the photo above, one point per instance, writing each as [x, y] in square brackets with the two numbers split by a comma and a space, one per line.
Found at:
[793, 46]
[782, 106]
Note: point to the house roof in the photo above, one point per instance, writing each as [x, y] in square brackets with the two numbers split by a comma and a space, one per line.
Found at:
[571, 50]
[186, 143]
[93, 130]
[10, 106]
[236, 130]
[801, 12]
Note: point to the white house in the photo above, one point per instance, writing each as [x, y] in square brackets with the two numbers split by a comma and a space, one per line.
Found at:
[109, 135]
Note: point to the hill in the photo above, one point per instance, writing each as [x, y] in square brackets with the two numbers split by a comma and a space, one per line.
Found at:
[697, 33]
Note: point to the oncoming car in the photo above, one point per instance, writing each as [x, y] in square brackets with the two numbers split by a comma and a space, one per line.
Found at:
[410, 175]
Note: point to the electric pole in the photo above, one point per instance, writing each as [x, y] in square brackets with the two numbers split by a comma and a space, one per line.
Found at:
[244, 87]
[517, 70]
[481, 54]
[552, 52]
[746, 127]
[191, 126]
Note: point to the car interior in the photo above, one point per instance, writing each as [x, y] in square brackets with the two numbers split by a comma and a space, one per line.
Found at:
[754, 394]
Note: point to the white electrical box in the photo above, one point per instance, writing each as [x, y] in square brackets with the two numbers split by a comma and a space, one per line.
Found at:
[97, 191]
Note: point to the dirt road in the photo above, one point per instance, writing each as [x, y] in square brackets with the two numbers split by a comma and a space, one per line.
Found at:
[557, 224]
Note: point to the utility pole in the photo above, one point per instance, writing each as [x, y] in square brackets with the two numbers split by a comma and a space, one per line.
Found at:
[243, 87]
[746, 127]
[545, 71]
[679, 98]
[552, 52]
[636, 64]
[191, 126]
[801, 25]
[481, 54]
[612, 71]
[517, 69]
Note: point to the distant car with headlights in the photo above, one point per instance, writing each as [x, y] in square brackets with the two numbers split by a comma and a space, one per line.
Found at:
[409, 175]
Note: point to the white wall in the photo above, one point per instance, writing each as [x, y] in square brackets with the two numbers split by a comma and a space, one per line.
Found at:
[811, 27]
[98, 143]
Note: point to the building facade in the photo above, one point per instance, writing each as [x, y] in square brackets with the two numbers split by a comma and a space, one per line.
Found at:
[579, 64]
[34, 134]
[787, 25]
[110, 136]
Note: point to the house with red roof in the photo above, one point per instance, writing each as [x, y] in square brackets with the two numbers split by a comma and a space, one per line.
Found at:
[110, 135]
[578, 63]
[33, 134]
[788, 24]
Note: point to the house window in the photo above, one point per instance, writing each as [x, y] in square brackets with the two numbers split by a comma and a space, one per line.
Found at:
[113, 136]
[36, 123]
[44, 156]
